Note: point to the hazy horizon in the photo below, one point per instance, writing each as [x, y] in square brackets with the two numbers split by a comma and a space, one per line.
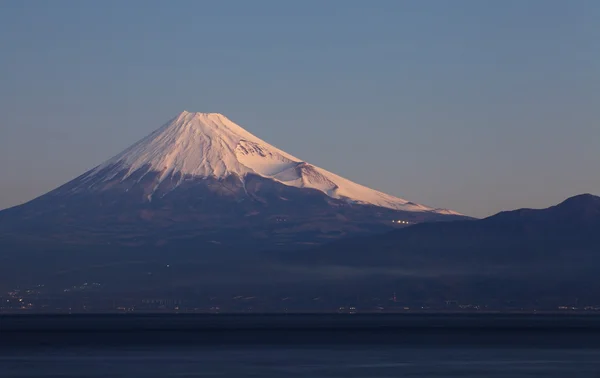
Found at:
[473, 106]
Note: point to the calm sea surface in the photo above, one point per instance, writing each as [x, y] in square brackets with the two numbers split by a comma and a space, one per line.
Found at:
[306, 361]
[299, 346]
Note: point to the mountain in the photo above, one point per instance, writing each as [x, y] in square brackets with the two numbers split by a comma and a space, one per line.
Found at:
[526, 253]
[209, 145]
[201, 181]
[574, 223]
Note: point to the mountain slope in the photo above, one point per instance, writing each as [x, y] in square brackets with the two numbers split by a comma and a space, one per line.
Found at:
[530, 258]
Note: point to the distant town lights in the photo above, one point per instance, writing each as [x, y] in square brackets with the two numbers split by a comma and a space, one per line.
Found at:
[401, 222]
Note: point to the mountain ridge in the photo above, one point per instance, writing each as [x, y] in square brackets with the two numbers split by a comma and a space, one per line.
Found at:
[582, 205]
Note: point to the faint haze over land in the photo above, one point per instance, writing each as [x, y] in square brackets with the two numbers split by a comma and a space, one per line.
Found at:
[470, 105]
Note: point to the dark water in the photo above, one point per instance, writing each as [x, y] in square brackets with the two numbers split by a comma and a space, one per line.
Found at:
[306, 361]
[150, 346]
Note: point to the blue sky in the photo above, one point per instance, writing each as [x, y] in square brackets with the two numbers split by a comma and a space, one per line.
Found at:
[474, 105]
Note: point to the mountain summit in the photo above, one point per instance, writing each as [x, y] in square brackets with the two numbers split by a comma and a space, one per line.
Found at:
[201, 145]
[202, 178]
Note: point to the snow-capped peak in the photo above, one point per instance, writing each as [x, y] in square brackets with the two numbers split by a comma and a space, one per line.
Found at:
[211, 145]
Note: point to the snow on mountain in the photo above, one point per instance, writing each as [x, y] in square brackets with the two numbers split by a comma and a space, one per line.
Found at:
[202, 145]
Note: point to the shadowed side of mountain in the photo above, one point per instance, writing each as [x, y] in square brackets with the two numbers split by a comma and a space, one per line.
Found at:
[569, 226]
[544, 251]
